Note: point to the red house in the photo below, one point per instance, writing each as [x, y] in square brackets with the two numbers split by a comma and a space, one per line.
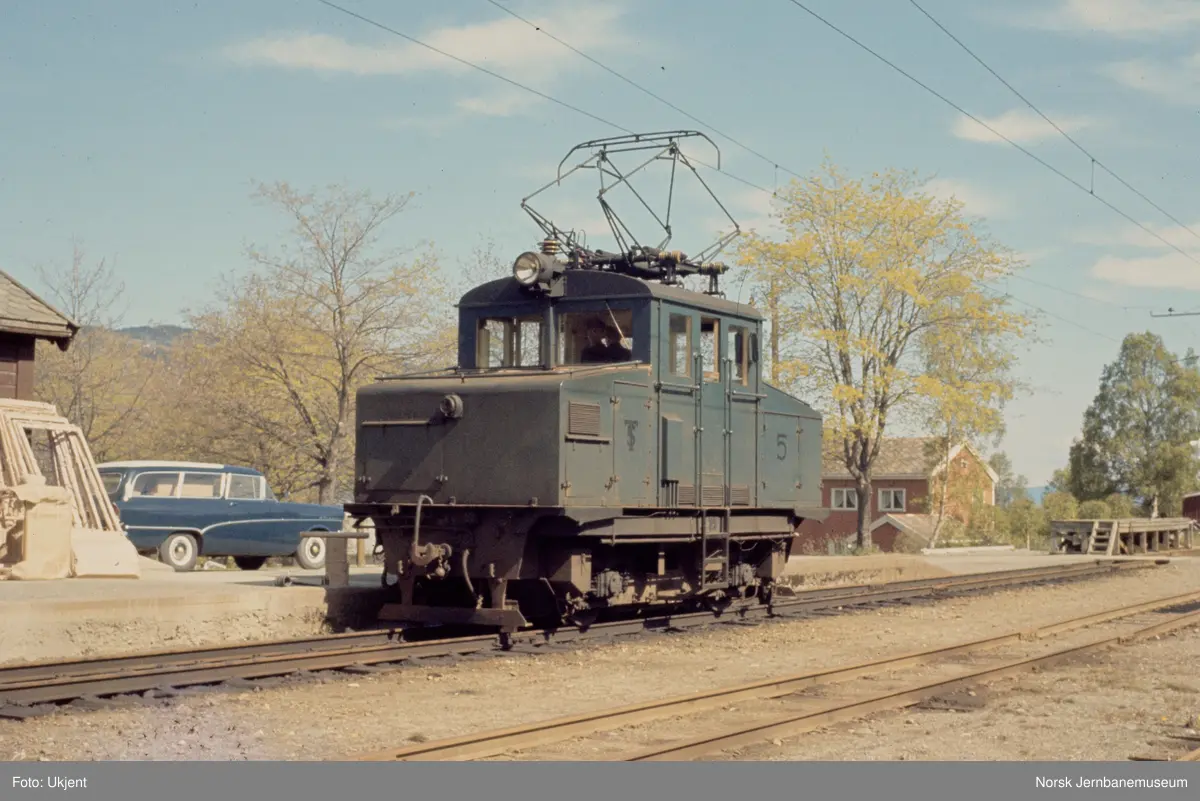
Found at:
[905, 489]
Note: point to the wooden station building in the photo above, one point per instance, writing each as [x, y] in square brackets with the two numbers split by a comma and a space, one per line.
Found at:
[24, 319]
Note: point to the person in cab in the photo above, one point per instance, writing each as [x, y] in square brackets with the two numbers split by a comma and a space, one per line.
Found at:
[604, 345]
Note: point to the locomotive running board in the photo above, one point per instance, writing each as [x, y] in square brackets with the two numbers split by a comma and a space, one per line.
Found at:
[506, 619]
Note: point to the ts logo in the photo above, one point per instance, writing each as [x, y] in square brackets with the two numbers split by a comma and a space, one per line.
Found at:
[630, 436]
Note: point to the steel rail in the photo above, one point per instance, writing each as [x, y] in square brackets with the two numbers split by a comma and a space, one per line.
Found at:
[491, 743]
[798, 724]
[24, 685]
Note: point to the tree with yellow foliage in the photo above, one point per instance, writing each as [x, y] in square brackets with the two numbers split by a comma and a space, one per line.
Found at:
[882, 293]
[285, 349]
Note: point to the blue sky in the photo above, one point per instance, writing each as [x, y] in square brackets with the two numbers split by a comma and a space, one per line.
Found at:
[137, 127]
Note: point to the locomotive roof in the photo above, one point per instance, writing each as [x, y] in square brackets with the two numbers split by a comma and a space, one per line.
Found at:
[587, 284]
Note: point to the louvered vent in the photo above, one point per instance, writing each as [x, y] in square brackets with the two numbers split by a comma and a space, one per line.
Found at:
[687, 494]
[583, 419]
[739, 495]
[713, 495]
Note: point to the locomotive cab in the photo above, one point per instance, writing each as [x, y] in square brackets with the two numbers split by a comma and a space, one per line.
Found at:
[604, 442]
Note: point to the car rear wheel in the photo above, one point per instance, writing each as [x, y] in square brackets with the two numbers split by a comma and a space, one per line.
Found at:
[249, 562]
[179, 551]
[311, 553]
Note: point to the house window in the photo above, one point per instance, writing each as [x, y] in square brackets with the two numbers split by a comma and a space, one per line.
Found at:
[891, 500]
[844, 499]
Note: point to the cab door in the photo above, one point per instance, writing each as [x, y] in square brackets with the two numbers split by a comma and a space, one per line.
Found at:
[712, 425]
[743, 415]
[678, 404]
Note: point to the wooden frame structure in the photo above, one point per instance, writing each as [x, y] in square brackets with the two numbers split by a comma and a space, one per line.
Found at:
[37, 445]
[72, 461]
[1123, 537]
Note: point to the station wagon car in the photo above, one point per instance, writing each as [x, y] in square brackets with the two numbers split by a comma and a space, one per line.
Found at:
[182, 510]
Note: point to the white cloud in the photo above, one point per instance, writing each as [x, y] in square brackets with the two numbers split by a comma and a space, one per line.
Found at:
[1168, 271]
[505, 45]
[1158, 266]
[1124, 18]
[1174, 81]
[1020, 125]
[1132, 236]
[977, 202]
[504, 103]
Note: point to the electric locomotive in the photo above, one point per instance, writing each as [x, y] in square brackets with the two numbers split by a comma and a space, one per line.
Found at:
[605, 442]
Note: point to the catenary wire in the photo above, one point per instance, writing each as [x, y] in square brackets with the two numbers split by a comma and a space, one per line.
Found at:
[983, 124]
[644, 90]
[541, 29]
[626, 130]
[1051, 122]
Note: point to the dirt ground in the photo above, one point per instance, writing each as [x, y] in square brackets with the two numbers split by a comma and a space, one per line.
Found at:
[1108, 711]
[209, 608]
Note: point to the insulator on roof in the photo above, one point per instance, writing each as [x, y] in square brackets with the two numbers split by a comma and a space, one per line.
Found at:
[550, 247]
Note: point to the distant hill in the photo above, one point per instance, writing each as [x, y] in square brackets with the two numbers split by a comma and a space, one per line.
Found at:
[1036, 493]
[155, 334]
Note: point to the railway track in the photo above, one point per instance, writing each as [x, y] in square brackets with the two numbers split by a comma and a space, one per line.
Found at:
[1172, 613]
[31, 689]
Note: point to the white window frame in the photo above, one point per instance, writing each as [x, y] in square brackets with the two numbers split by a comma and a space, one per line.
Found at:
[891, 491]
[849, 498]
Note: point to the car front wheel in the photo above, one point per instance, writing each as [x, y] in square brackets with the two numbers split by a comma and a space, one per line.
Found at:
[179, 551]
[311, 553]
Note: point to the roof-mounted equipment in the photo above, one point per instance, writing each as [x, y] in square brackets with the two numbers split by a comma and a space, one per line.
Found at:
[654, 263]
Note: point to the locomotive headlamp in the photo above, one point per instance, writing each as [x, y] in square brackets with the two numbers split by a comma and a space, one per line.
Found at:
[531, 269]
[526, 268]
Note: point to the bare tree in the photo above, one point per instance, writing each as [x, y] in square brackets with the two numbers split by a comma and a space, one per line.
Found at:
[316, 320]
[98, 383]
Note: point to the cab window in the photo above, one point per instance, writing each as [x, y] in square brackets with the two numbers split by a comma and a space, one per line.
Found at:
[710, 348]
[509, 342]
[738, 353]
[680, 345]
[595, 337]
[158, 485]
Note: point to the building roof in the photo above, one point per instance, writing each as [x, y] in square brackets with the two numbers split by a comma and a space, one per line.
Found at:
[902, 457]
[899, 457]
[918, 526]
[23, 312]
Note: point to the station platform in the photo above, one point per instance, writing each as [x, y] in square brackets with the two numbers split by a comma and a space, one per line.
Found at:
[77, 618]
[817, 571]
[74, 618]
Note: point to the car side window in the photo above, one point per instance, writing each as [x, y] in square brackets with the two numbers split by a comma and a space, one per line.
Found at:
[201, 485]
[112, 481]
[243, 488]
[157, 485]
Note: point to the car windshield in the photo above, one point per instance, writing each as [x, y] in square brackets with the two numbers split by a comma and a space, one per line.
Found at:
[111, 480]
